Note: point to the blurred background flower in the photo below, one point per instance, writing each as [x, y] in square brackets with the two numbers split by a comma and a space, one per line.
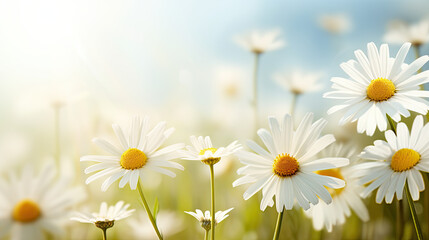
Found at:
[338, 23]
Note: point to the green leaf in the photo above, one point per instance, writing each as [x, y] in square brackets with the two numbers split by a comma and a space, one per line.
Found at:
[156, 208]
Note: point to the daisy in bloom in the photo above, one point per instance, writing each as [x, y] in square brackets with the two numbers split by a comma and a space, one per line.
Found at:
[202, 150]
[229, 82]
[205, 218]
[395, 161]
[261, 41]
[138, 153]
[258, 42]
[299, 82]
[379, 86]
[286, 170]
[33, 205]
[343, 199]
[400, 32]
[168, 221]
[335, 23]
[106, 217]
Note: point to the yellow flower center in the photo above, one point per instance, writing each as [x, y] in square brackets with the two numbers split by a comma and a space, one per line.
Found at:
[404, 159]
[133, 159]
[257, 50]
[335, 172]
[210, 160]
[380, 89]
[285, 165]
[203, 151]
[26, 211]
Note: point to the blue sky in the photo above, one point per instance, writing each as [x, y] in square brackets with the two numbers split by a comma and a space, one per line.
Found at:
[132, 52]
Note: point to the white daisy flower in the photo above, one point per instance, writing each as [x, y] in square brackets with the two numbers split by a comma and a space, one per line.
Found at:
[261, 41]
[202, 150]
[343, 199]
[31, 206]
[400, 32]
[169, 223]
[335, 23]
[205, 219]
[286, 170]
[229, 82]
[379, 85]
[106, 217]
[395, 161]
[299, 82]
[136, 155]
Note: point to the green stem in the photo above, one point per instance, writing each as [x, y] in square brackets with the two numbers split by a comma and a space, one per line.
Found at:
[213, 223]
[149, 213]
[399, 205]
[278, 226]
[206, 236]
[417, 54]
[399, 220]
[104, 234]
[426, 198]
[414, 214]
[293, 103]
[255, 91]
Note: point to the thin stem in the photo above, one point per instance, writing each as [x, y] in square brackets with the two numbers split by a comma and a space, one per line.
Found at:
[278, 226]
[426, 198]
[104, 234]
[399, 219]
[293, 103]
[416, 48]
[149, 213]
[206, 236]
[413, 214]
[399, 205]
[213, 201]
[255, 90]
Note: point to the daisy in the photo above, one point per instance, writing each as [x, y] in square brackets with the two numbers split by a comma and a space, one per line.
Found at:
[169, 223]
[299, 82]
[229, 82]
[33, 205]
[138, 153]
[286, 170]
[205, 219]
[106, 217]
[261, 41]
[106, 214]
[379, 86]
[335, 23]
[395, 161]
[343, 199]
[202, 150]
[400, 32]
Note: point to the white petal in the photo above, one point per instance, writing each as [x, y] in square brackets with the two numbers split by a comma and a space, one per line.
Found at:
[324, 163]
